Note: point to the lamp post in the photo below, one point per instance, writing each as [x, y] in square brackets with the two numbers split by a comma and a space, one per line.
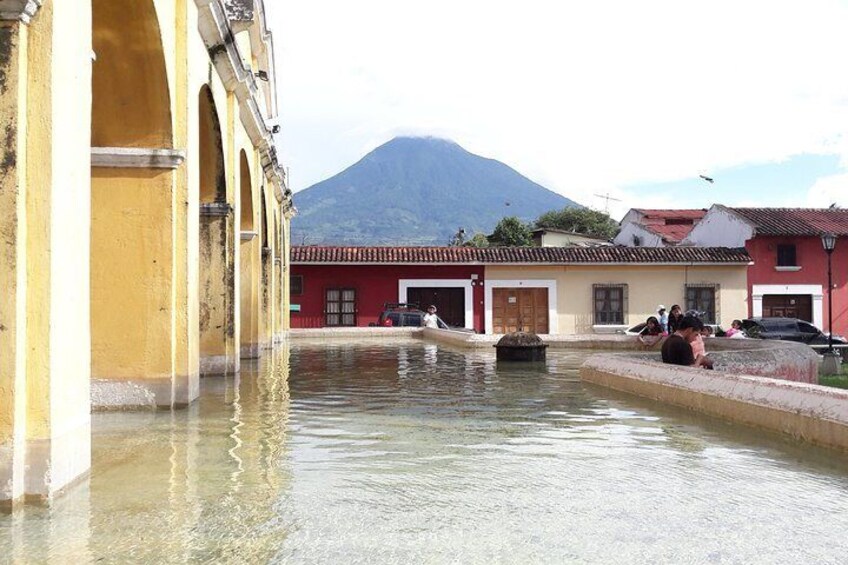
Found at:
[831, 365]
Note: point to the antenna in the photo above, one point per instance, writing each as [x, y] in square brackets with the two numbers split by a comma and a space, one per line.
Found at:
[607, 198]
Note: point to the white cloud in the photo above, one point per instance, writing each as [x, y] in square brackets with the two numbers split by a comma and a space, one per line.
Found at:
[580, 96]
[829, 190]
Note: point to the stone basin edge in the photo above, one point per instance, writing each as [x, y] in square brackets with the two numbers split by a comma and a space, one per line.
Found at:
[760, 383]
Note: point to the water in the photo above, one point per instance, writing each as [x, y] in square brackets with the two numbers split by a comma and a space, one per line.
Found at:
[407, 452]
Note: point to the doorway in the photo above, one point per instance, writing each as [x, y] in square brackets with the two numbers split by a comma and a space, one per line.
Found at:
[788, 306]
[520, 309]
[450, 302]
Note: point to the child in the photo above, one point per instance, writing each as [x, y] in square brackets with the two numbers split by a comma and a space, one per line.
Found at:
[652, 333]
[735, 330]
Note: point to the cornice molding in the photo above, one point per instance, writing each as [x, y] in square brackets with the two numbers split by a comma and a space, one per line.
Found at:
[19, 10]
[217, 34]
[216, 209]
[249, 235]
[136, 158]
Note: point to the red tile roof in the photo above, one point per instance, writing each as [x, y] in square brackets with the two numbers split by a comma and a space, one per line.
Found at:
[517, 255]
[670, 234]
[663, 222]
[796, 221]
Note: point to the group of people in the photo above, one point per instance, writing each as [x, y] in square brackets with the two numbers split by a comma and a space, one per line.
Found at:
[684, 336]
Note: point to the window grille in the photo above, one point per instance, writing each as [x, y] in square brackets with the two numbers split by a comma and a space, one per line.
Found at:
[610, 304]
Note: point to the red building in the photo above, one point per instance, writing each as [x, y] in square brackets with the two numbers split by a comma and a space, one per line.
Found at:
[330, 292]
[789, 274]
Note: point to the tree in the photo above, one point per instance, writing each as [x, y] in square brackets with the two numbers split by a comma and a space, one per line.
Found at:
[512, 232]
[580, 220]
[478, 240]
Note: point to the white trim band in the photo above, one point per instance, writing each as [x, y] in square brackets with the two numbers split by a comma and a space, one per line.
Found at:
[136, 158]
[814, 290]
[405, 284]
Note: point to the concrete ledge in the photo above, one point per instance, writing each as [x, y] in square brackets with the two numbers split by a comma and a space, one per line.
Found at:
[807, 412]
[109, 395]
[253, 351]
[355, 333]
[213, 365]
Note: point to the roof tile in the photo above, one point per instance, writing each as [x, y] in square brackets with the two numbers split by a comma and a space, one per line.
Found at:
[796, 221]
[516, 255]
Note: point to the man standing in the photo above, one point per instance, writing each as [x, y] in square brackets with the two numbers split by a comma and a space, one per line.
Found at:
[677, 349]
[430, 320]
[663, 317]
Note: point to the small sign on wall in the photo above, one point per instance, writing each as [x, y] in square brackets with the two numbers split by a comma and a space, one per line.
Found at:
[294, 308]
[513, 299]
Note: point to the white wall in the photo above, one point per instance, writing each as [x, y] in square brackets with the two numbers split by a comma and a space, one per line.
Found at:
[647, 238]
[720, 228]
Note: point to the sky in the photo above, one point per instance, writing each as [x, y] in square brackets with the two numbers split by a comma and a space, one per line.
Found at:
[633, 100]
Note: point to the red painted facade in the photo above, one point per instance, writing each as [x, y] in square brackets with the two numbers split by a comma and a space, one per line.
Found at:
[812, 259]
[374, 286]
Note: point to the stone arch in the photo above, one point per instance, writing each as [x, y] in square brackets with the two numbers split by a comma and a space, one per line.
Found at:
[216, 292]
[213, 174]
[131, 104]
[246, 191]
[250, 263]
[136, 247]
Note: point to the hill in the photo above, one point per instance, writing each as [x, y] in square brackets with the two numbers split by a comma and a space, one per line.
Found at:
[416, 191]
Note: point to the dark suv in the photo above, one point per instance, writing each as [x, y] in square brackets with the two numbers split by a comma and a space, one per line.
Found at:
[409, 315]
[789, 329]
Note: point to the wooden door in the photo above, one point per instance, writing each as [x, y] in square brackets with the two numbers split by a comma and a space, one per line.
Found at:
[450, 302]
[520, 309]
[788, 306]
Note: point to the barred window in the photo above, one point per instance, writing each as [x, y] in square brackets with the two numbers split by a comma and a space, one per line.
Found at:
[610, 304]
[786, 255]
[704, 299]
[296, 285]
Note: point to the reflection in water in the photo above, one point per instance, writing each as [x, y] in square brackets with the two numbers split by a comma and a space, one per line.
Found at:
[410, 452]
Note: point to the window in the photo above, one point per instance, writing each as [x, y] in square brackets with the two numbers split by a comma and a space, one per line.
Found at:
[340, 307]
[786, 256]
[609, 304]
[806, 328]
[702, 297]
[296, 285]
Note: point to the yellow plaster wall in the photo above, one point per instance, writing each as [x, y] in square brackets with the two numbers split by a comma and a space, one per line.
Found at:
[131, 274]
[648, 286]
[132, 106]
[13, 189]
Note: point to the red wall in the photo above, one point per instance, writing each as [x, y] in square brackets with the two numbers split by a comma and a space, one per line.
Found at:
[812, 259]
[374, 285]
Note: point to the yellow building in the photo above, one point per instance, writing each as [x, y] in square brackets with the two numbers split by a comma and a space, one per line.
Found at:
[145, 224]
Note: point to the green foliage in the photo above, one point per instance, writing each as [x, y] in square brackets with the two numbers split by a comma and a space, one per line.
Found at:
[580, 220]
[478, 240]
[836, 381]
[512, 232]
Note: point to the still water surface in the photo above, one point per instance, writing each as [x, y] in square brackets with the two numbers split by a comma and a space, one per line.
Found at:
[407, 452]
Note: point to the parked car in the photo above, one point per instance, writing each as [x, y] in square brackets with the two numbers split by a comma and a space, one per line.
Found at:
[789, 329]
[408, 315]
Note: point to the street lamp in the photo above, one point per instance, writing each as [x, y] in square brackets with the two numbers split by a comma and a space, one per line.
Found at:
[831, 363]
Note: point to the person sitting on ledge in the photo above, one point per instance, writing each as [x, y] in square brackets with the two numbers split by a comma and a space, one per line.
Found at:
[735, 331]
[677, 349]
[652, 333]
